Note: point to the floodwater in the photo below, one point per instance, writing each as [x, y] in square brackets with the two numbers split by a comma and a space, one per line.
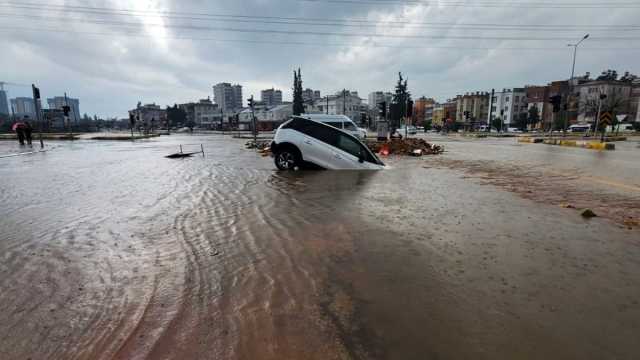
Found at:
[110, 251]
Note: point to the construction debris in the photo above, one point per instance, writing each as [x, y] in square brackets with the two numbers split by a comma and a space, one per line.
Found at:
[260, 144]
[410, 147]
[588, 213]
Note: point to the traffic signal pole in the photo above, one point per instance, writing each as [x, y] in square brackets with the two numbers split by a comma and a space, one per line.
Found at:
[36, 104]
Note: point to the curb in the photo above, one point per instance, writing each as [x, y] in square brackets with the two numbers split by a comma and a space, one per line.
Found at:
[585, 144]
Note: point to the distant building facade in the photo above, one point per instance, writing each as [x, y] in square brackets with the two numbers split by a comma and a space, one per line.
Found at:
[58, 102]
[344, 102]
[377, 97]
[477, 106]
[616, 91]
[268, 118]
[310, 96]
[271, 97]
[204, 113]
[228, 97]
[423, 111]
[23, 106]
[149, 116]
[4, 104]
[509, 105]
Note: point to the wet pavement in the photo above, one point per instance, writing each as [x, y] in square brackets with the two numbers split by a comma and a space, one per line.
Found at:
[110, 251]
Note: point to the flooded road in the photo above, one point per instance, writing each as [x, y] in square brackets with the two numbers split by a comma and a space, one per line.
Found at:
[110, 251]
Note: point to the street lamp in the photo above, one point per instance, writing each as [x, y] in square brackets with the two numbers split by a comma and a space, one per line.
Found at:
[573, 69]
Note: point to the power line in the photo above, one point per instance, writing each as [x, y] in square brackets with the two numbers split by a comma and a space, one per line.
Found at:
[307, 43]
[322, 33]
[302, 20]
[538, 5]
[497, 27]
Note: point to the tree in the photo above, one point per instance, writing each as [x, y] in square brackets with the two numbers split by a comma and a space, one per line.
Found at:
[298, 101]
[522, 121]
[496, 123]
[176, 116]
[400, 99]
[609, 75]
[533, 116]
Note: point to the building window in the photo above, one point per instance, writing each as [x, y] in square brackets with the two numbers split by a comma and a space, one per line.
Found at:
[506, 99]
[517, 98]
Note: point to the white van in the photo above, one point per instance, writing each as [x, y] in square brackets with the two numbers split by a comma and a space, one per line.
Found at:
[341, 122]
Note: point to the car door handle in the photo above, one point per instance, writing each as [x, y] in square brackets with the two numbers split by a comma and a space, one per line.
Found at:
[337, 156]
[308, 142]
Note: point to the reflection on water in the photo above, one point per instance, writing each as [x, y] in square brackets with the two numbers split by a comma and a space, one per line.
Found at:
[110, 250]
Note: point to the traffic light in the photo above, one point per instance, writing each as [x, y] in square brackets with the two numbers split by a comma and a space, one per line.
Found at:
[555, 100]
[36, 93]
[250, 102]
[132, 119]
[410, 108]
[382, 109]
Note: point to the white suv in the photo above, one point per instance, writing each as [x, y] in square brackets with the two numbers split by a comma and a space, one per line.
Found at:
[301, 141]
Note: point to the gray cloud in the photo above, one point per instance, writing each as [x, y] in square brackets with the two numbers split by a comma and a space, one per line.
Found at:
[110, 66]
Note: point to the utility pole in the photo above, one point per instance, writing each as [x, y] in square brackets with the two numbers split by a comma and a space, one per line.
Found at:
[493, 92]
[327, 104]
[573, 69]
[600, 98]
[344, 102]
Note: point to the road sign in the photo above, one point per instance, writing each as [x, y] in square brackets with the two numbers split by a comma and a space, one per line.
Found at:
[606, 118]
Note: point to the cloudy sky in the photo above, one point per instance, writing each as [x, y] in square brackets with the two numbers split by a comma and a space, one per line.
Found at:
[113, 53]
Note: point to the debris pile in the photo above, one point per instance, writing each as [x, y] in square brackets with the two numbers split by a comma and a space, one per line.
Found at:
[410, 147]
[263, 146]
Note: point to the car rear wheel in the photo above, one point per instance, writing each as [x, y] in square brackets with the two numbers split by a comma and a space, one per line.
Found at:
[287, 159]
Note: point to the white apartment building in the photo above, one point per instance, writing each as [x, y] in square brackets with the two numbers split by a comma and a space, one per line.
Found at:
[227, 96]
[509, 104]
[342, 103]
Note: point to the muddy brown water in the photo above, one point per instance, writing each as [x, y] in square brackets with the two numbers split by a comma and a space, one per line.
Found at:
[110, 251]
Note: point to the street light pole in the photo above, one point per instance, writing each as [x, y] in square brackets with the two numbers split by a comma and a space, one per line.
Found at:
[573, 70]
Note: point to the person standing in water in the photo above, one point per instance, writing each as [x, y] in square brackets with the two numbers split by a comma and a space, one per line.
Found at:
[28, 130]
[20, 132]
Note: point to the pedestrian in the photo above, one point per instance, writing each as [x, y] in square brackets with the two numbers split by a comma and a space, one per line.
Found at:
[19, 129]
[28, 130]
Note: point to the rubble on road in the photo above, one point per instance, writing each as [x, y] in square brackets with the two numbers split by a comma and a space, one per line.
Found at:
[260, 144]
[410, 147]
[588, 213]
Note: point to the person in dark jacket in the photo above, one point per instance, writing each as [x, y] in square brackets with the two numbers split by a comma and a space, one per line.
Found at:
[28, 130]
[20, 132]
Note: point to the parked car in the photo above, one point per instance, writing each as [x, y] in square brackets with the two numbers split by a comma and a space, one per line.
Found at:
[411, 130]
[341, 122]
[301, 141]
[363, 133]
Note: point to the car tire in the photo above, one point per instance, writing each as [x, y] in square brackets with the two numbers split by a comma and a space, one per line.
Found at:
[287, 158]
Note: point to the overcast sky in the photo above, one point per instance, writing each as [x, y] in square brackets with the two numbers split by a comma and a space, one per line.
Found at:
[111, 60]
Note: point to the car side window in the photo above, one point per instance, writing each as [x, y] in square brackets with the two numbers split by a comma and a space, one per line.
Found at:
[326, 134]
[349, 126]
[347, 144]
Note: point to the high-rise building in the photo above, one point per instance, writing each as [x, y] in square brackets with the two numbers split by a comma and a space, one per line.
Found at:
[23, 106]
[58, 102]
[4, 105]
[227, 96]
[271, 97]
